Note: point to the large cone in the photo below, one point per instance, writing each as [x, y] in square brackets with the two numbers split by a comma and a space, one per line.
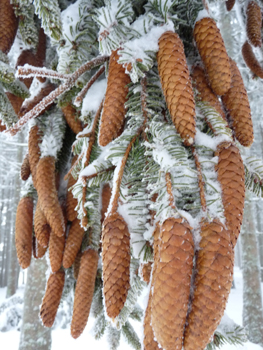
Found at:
[212, 50]
[212, 284]
[176, 85]
[76, 265]
[72, 119]
[73, 243]
[254, 23]
[113, 113]
[52, 298]
[24, 230]
[116, 263]
[251, 60]
[231, 175]
[25, 168]
[84, 291]
[34, 139]
[8, 26]
[172, 283]
[42, 228]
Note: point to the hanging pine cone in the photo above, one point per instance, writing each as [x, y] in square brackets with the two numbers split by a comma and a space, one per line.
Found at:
[73, 243]
[113, 113]
[251, 60]
[8, 26]
[25, 168]
[230, 4]
[212, 50]
[56, 251]
[212, 285]
[146, 270]
[23, 231]
[41, 52]
[52, 298]
[176, 85]
[236, 103]
[254, 22]
[38, 250]
[84, 291]
[116, 263]
[105, 201]
[42, 228]
[16, 101]
[26, 57]
[172, 283]
[71, 202]
[72, 119]
[76, 265]
[34, 139]
[47, 195]
[231, 175]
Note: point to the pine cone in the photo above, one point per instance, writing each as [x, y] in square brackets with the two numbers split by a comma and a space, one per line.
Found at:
[52, 298]
[24, 229]
[25, 168]
[212, 50]
[172, 283]
[146, 270]
[42, 228]
[8, 26]
[41, 49]
[2, 126]
[113, 113]
[47, 195]
[26, 57]
[230, 4]
[213, 280]
[38, 250]
[72, 119]
[236, 103]
[231, 175]
[176, 85]
[76, 265]
[84, 291]
[116, 263]
[251, 60]
[73, 243]
[105, 200]
[16, 101]
[34, 139]
[71, 202]
[254, 22]
[56, 251]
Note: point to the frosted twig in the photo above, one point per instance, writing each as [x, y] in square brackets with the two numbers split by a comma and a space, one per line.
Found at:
[86, 178]
[201, 183]
[170, 190]
[28, 71]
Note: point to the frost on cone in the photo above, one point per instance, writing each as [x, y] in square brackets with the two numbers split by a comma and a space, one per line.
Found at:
[176, 85]
[231, 175]
[230, 4]
[73, 243]
[212, 50]
[42, 228]
[116, 263]
[84, 291]
[34, 139]
[212, 284]
[206, 94]
[254, 22]
[8, 26]
[52, 298]
[251, 60]
[71, 202]
[236, 103]
[47, 195]
[105, 200]
[113, 113]
[146, 270]
[71, 117]
[16, 101]
[172, 283]
[24, 229]
[25, 168]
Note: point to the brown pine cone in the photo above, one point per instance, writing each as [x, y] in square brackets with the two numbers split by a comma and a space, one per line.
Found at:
[172, 282]
[26, 57]
[25, 168]
[42, 228]
[41, 49]
[176, 85]
[16, 101]
[51, 300]
[76, 265]
[2, 126]
[73, 243]
[212, 284]
[47, 195]
[56, 251]
[38, 250]
[8, 26]
[212, 50]
[254, 22]
[84, 291]
[71, 202]
[116, 263]
[231, 175]
[146, 270]
[72, 119]
[105, 201]
[236, 103]
[113, 113]
[23, 232]
[230, 4]
[34, 139]
[251, 60]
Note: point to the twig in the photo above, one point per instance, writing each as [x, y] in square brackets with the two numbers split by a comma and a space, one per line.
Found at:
[170, 190]
[201, 183]
[86, 178]
[28, 71]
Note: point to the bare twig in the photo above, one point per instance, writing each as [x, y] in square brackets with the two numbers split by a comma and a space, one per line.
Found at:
[170, 190]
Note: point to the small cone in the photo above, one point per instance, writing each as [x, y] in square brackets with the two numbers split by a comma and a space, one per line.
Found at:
[71, 202]
[212, 50]
[105, 200]
[25, 168]
[212, 285]
[84, 291]
[8, 26]
[76, 265]
[254, 22]
[176, 85]
[42, 228]
[231, 175]
[230, 4]
[116, 263]
[52, 298]
[72, 119]
[34, 139]
[47, 195]
[146, 270]
[236, 103]
[251, 60]
[23, 232]
[73, 243]
[16, 101]
[113, 113]
[172, 282]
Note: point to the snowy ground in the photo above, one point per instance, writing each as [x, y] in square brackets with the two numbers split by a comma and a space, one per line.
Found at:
[61, 338]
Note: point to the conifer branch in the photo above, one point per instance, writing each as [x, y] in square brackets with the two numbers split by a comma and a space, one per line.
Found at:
[73, 166]
[28, 71]
[86, 178]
